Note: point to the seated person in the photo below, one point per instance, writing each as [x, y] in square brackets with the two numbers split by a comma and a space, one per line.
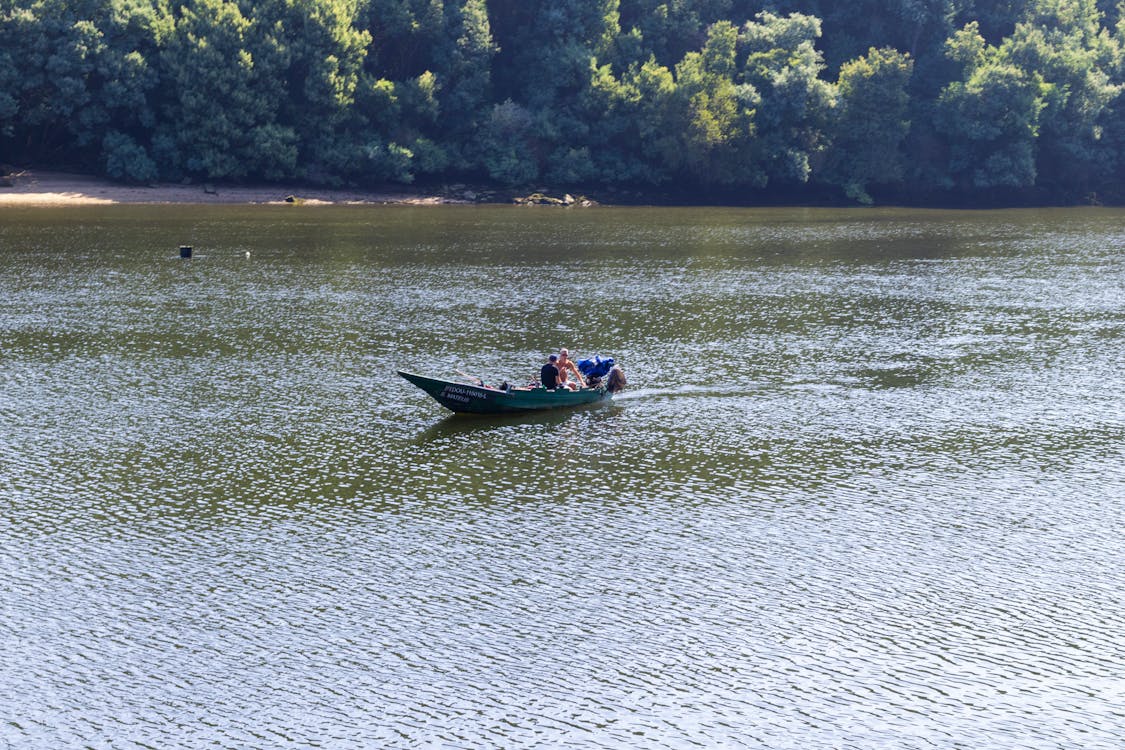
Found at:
[549, 373]
[566, 368]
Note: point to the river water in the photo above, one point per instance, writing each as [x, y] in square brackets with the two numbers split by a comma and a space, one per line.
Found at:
[866, 488]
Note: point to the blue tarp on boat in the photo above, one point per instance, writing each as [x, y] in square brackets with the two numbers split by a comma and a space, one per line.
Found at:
[596, 367]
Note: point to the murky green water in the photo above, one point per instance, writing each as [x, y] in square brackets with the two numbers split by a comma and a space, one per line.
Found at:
[866, 488]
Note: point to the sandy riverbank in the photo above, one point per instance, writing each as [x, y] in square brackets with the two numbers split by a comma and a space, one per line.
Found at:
[38, 188]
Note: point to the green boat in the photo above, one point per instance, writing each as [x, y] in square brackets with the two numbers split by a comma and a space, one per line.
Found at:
[465, 398]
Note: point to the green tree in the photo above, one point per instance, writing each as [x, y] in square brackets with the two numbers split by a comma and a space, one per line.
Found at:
[73, 74]
[1063, 43]
[919, 27]
[545, 46]
[631, 115]
[713, 116]
[50, 51]
[871, 123]
[507, 144]
[672, 28]
[991, 118]
[315, 56]
[466, 95]
[221, 118]
[427, 88]
[783, 67]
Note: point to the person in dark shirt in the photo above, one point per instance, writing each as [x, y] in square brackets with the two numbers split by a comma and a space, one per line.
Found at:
[549, 374]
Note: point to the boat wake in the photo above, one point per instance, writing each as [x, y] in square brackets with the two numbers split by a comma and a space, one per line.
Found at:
[727, 391]
[683, 390]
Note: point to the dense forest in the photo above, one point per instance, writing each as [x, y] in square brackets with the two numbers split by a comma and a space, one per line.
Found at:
[992, 99]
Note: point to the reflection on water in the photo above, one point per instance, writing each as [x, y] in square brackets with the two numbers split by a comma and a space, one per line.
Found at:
[863, 491]
[480, 425]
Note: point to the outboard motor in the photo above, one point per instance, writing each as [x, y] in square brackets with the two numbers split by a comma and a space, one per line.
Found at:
[616, 381]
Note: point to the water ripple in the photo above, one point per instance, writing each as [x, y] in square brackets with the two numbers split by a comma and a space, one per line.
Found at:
[863, 492]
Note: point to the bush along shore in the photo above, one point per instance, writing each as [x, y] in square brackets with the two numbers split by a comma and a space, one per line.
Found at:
[900, 101]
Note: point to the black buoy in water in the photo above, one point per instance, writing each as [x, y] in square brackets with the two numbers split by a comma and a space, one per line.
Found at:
[185, 251]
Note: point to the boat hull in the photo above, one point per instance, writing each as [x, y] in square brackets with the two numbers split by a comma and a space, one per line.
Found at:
[463, 398]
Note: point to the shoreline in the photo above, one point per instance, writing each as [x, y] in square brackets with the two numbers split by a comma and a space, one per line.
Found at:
[56, 189]
[49, 188]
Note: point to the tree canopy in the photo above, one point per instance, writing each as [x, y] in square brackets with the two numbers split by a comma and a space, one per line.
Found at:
[868, 99]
